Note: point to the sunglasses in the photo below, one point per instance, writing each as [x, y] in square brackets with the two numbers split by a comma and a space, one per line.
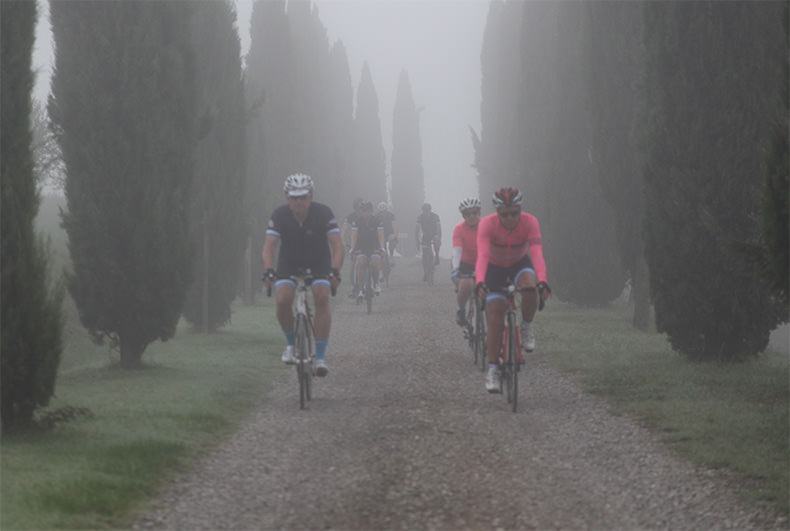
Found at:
[298, 197]
[468, 213]
[510, 214]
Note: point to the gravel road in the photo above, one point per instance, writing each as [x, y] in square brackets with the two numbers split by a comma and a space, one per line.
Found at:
[402, 435]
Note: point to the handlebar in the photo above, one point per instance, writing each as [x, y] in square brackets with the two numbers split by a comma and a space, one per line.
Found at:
[308, 279]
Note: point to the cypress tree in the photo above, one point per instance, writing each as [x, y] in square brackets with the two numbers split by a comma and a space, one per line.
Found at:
[712, 69]
[611, 41]
[408, 179]
[370, 172]
[217, 220]
[775, 218]
[123, 104]
[30, 309]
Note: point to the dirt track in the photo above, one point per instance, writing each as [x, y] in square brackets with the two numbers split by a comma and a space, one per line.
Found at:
[402, 435]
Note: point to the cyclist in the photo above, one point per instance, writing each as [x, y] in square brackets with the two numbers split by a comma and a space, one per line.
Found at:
[428, 223]
[310, 239]
[387, 218]
[345, 232]
[509, 246]
[367, 244]
[345, 235]
[465, 255]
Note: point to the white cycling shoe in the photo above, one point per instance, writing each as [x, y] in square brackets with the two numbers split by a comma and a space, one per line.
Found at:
[321, 368]
[527, 336]
[288, 355]
[492, 380]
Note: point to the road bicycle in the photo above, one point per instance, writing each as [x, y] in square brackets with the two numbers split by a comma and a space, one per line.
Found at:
[304, 346]
[511, 359]
[428, 263]
[386, 269]
[476, 329]
[367, 289]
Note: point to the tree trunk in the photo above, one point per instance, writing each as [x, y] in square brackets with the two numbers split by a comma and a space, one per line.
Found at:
[641, 294]
[131, 352]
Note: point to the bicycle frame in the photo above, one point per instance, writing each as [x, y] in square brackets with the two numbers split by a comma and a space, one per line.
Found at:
[303, 348]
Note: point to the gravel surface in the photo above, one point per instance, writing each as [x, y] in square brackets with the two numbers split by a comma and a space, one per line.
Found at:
[402, 435]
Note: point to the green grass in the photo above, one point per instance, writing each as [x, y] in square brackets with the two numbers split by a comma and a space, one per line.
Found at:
[147, 424]
[731, 416]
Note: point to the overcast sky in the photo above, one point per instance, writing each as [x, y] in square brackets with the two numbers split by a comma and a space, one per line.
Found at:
[437, 41]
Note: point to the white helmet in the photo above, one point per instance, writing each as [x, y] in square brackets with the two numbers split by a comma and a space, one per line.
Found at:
[382, 206]
[468, 203]
[297, 185]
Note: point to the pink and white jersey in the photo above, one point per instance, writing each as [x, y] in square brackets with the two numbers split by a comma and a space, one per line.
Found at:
[465, 237]
[502, 247]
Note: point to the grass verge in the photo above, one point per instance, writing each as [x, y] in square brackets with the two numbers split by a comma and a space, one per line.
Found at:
[92, 473]
[730, 416]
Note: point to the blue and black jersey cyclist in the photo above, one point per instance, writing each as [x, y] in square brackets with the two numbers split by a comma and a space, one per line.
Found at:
[309, 238]
[387, 219]
[367, 243]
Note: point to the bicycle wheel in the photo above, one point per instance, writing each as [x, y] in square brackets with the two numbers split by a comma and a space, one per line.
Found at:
[309, 371]
[369, 292]
[509, 354]
[512, 360]
[302, 358]
[482, 337]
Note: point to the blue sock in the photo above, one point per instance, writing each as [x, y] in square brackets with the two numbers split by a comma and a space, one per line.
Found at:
[290, 336]
[493, 366]
[320, 348]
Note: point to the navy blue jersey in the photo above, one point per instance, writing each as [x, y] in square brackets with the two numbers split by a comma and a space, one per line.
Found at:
[429, 224]
[303, 245]
[367, 233]
[386, 218]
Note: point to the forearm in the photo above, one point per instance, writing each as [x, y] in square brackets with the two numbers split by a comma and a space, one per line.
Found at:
[269, 248]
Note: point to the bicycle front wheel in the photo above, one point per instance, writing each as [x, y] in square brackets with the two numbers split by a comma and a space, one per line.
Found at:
[481, 337]
[302, 358]
[512, 360]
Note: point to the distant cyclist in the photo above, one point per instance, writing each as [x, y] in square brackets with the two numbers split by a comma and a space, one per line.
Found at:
[387, 219]
[367, 244]
[309, 237]
[345, 235]
[509, 246]
[428, 236]
[465, 255]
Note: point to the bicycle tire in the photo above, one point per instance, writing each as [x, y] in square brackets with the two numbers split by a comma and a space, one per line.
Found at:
[482, 337]
[301, 357]
[309, 371]
[369, 291]
[510, 340]
[512, 360]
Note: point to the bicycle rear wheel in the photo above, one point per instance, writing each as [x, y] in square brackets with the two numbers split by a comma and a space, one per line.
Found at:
[302, 359]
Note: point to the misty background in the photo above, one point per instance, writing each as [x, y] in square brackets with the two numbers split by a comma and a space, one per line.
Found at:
[438, 42]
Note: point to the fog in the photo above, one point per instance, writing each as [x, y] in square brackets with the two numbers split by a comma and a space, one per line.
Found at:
[437, 41]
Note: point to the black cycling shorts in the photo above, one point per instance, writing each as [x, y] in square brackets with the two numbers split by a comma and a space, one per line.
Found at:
[497, 276]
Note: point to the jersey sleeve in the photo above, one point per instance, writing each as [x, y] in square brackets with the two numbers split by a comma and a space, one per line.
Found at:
[483, 247]
[331, 224]
[275, 224]
[458, 240]
[535, 242]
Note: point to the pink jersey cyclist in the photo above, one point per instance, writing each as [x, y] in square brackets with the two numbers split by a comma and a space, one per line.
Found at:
[465, 238]
[508, 251]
